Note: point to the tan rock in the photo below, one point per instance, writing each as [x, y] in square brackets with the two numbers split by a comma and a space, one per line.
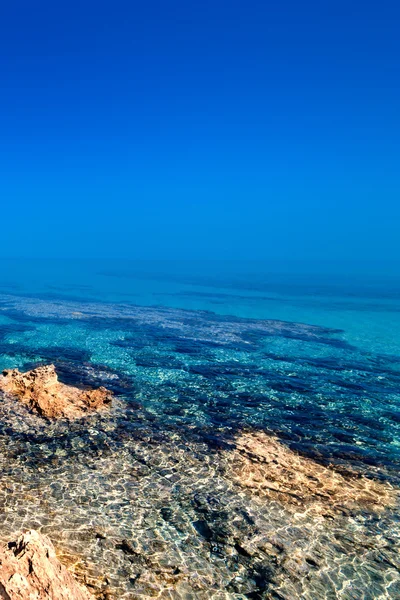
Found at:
[266, 467]
[30, 570]
[41, 391]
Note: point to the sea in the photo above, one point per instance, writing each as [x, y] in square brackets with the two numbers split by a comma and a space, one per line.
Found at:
[138, 500]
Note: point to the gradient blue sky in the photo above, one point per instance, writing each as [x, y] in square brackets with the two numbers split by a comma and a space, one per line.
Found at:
[224, 128]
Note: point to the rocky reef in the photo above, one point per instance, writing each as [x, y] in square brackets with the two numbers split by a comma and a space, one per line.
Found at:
[30, 569]
[138, 509]
[240, 460]
[41, 391]
[267, 468]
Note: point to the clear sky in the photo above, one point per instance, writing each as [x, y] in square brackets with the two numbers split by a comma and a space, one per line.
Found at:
[200, 129]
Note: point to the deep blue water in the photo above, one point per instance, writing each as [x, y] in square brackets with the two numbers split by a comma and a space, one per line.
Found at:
[214, 350]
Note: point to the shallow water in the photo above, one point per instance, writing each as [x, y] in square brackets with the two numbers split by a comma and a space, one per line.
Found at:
[141, 496]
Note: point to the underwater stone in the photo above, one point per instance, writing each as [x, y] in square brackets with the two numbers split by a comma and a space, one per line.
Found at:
[266, 467]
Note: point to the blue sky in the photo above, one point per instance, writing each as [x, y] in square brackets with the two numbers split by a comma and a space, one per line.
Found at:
[223, 129]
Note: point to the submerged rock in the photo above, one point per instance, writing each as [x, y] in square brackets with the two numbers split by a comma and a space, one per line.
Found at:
[263, 465]
[29, 568]
[41, 391]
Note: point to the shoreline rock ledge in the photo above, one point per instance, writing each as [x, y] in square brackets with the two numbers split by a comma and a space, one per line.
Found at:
[29, 568]
[40, 390]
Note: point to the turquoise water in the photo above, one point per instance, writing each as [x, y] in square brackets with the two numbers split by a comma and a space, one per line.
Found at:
[197, 354]
[366, 309]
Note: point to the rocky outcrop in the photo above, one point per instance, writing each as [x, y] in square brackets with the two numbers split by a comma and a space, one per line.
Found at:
[41, 391]
[30, 570]
[263, 465]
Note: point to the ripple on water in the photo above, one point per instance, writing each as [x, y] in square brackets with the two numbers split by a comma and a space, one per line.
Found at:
[178, 492]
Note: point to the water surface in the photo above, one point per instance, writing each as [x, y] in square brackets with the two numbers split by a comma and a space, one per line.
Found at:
[196, 357]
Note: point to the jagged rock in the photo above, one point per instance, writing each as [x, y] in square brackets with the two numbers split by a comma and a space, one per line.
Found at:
[30, 570]
[41, 391]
